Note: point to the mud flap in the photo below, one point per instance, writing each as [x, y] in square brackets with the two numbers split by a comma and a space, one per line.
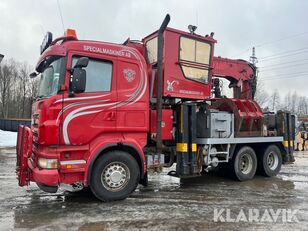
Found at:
[23, 152]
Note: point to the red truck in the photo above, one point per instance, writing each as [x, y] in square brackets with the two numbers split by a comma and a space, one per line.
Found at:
[106, 113]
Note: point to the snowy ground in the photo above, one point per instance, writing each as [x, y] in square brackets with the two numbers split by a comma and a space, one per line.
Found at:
[7, 139]
[168, 203]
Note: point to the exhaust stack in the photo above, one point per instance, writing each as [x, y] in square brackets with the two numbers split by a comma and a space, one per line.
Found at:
[159, 93]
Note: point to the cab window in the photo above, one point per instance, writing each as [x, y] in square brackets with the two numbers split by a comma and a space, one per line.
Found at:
[99, 75]
[151, 49]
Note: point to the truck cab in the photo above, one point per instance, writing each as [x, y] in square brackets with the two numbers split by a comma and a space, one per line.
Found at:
[91, 95]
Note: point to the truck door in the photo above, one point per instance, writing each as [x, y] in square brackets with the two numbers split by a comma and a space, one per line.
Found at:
[133, 112]
[91, 113]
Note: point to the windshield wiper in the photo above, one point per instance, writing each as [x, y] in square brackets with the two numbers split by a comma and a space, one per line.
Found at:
[33, 75]
[40, 97]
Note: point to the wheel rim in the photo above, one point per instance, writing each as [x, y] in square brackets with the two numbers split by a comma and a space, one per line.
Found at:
[246, 163]
[115, 176]
[272, 160]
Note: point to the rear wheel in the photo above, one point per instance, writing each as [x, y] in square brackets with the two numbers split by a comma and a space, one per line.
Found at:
[270, 160]
[115, 176]
[244, 164]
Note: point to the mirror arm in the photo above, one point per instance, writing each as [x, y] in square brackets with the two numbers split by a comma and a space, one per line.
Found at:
[71, 94]
[70, 70]
[70, 91]
[63, 87]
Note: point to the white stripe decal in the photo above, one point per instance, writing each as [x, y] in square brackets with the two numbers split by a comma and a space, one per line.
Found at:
[81, 98]
[75, 114]
[77, 104]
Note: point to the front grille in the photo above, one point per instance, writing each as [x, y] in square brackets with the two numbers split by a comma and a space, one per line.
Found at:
[34, 147]
[35, 122]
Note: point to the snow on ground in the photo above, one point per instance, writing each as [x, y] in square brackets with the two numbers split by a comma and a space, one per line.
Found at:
[7, 139]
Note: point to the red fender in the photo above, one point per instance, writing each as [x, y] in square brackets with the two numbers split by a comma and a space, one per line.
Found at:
[103, 143]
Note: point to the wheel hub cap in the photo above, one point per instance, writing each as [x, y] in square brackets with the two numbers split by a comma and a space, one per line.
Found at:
[272, 160]
[115, 176]
[246, 164]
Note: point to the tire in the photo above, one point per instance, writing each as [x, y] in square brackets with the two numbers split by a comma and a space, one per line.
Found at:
[115, 176]
[244, 164]
[270, 161]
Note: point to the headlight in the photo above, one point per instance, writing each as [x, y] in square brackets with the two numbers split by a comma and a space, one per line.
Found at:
[47, 163]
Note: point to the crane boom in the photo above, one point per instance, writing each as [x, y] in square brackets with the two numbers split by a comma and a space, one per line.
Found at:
[240, 73]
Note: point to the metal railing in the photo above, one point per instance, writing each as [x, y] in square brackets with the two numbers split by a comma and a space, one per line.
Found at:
[12, 124]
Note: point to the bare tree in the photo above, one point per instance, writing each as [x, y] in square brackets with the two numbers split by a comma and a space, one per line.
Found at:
[16, 90]
[275, 101]
[261, 96]
[302, 106]
[287, 102]
[23, 79]
[294, 102]
[8, 73]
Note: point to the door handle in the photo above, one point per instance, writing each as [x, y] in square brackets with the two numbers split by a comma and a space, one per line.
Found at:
[111, 116]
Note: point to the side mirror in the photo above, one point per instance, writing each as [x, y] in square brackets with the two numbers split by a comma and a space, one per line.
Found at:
[79, 77]
[79, 80]
[82, 62]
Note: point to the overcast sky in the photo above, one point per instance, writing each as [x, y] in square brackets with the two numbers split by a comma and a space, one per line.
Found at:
[273, 26]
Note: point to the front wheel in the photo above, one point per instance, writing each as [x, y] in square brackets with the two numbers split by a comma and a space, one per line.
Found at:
[115, 176]
[270, 161]
[244, 164]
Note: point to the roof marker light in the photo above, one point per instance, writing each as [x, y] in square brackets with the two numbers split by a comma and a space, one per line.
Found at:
[70, 33]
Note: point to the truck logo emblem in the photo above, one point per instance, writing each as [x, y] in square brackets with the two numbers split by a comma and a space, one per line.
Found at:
[129, 75]
[170, 84]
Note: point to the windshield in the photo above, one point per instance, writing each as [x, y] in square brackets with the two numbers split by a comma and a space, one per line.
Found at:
[49, 80]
